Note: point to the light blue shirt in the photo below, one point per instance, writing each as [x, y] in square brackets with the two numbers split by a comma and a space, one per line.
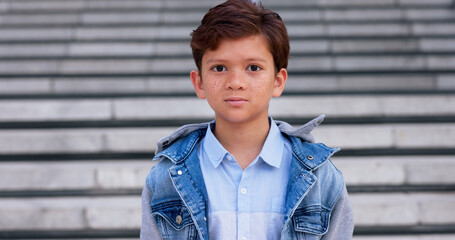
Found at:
[246, 204]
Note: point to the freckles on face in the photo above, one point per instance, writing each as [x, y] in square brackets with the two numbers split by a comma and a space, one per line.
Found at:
[212, 85]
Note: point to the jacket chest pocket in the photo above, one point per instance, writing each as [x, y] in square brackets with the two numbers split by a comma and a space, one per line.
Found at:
[174, 221]
[310, 223]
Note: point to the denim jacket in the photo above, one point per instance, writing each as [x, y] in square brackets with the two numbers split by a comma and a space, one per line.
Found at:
[174, 200]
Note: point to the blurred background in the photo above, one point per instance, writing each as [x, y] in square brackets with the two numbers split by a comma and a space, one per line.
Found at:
[88, 86]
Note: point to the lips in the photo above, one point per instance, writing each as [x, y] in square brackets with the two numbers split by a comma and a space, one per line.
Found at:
[236, 101]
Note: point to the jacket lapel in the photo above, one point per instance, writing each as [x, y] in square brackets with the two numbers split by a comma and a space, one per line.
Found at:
[188, 180]
[300, 182]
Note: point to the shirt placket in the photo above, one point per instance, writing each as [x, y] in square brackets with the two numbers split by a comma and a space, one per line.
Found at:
[244, 209]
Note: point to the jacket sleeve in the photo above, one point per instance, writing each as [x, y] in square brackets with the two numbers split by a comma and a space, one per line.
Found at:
[341, 221]
[149, 230]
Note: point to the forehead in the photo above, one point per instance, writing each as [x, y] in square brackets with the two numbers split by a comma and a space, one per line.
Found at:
[255, 46]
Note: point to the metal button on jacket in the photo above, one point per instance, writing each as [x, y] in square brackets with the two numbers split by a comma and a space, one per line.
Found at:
[178, 219]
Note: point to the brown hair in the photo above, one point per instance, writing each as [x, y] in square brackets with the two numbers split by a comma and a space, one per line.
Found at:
[236, 19]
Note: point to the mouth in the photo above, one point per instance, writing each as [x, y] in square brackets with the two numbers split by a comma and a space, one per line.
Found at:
[236, 101]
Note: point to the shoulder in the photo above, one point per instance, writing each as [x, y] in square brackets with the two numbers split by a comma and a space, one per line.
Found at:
[158, 176]
[315, 159]
[313, 156]
[329, 182]
[172, 150]
[180, 135]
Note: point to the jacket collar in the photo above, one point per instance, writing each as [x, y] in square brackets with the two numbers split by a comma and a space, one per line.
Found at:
[179, 144]
[303, 132]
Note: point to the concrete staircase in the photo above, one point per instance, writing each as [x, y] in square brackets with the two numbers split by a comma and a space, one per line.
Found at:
[88, 86]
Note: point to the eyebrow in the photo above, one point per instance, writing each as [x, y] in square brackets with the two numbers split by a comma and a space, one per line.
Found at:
[256, 59]
[247, 59]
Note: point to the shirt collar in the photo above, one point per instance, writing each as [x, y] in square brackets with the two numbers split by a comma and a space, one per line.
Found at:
[213, 148]
[271, 153]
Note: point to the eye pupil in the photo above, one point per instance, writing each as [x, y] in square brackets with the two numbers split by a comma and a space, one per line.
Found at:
[254, 68]
[219, 68]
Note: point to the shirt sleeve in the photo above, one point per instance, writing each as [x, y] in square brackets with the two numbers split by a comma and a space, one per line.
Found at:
[341, 221]
[149, 230]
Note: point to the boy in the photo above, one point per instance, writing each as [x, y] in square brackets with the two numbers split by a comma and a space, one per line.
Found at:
[244, 175]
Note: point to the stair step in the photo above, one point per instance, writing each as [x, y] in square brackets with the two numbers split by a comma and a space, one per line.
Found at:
[425, 3]
[194, 108]
[183, 32]
[182, 85]
[323, 64]
[165, 16]
[410, 171]
[388, 136]
[407, 237]
[178, 49]
[74, 175]
[402, 170]
[97, 213]
[137, 4]
[163, 84]
[402, 209]
[109, 235]
[70, 213]
[81, 141]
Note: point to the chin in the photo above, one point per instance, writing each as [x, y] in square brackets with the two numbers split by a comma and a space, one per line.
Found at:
[240, 118]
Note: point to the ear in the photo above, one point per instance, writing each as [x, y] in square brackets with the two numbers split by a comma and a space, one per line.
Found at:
[280, 82]
[197, 84]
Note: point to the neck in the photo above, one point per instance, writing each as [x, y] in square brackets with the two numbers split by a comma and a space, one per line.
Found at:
[243, 140]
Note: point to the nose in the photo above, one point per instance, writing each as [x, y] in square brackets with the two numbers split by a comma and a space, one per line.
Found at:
[236, 81]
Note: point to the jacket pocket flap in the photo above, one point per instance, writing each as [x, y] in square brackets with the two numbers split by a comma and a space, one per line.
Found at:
[173, 212]
[313, 221]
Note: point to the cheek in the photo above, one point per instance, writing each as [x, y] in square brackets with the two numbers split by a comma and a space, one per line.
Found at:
[264, 84]
[211, 87]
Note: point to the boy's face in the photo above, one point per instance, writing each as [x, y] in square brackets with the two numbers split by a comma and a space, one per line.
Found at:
[238, 79]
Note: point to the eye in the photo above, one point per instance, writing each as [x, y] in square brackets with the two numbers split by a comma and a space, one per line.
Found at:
[254, 68]
[219, 68]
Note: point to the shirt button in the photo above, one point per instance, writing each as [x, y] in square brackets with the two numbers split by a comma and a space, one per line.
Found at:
[243, 190]
[179, 172]
[205, 219]
[229, 157]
